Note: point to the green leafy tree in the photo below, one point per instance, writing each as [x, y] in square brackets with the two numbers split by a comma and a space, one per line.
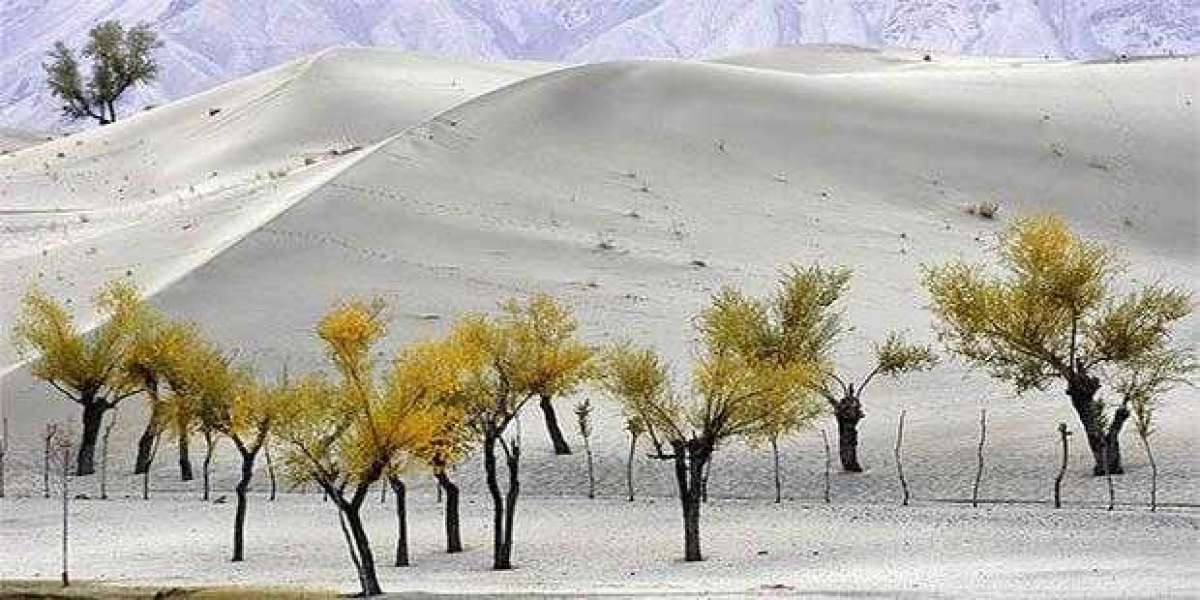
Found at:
[1050, 311]
[120, 59]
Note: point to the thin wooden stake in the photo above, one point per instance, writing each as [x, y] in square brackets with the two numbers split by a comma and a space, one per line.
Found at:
[112, 420]
[1063, 433]
[899, 465]
[828, 463]
[979, 457]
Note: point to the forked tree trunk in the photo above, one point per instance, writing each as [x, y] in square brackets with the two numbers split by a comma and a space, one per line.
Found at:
[185, 460]
[93, 417]
[503, 506]
[242, 491]
[552, 428]
[848, 412]
[145, 444]
[401, 521]
[1104, 442]
[453, 535]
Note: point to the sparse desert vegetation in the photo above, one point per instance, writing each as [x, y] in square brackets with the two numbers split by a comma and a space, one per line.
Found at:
[318, 322]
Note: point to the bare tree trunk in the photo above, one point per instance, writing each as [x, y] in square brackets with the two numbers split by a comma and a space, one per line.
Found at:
[629, 466]
[366, 558]
[503, 506]
[401, 521]
[591, 469]
[66, 494]
[209, 447]
[1062, 470]
[552, 428]
[185, 460]
[270, 472]
[146, 442]
[51, 431]
[828, 463]
[104, 455]
[979, 457]
[3, 450]
[453, 536]
[93, 417]
[1153, 470]
[241, 491]
[1112, 495]
[899, 461]
[778, 480]
[690, 460]
[704, 479]
[848, 412]
[146, 473]
[1103, 442]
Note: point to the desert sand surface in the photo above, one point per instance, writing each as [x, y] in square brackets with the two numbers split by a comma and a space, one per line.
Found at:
[635, 190]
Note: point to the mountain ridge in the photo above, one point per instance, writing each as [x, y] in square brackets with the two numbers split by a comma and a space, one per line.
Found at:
[207, 42]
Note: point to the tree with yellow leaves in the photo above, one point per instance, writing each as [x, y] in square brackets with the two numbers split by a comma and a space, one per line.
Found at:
[450, 436]
[232, 402]
[738, 377]
[157, 345]
[502, 364]
[86, 367]
[1142, 382]
[346, 435]
[1053, 313]
[557, 361]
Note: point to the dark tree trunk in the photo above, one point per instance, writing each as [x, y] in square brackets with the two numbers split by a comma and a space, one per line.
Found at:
[239, 519]
[503, 506]
[453, 535]
[1103, 442]
[401, 521]
[185, 460]
[93, 418]
[690, 460]
[629, 466]
[556, 435]
[848, 412]
[366, 558]
[778, 480]
[1062, 469]
[208, 455]
[146, 442]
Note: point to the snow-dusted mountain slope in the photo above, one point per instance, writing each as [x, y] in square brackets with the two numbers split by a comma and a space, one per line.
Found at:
[212, 41]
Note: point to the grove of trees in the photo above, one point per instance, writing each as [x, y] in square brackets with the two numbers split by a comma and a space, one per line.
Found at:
[762, 369]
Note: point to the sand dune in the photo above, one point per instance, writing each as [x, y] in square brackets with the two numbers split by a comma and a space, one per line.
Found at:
[695, 175]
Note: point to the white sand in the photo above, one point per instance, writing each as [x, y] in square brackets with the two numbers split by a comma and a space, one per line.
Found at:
[566, 546]
[747, 167]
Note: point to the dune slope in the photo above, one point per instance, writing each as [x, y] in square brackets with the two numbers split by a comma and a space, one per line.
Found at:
[698, 175]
